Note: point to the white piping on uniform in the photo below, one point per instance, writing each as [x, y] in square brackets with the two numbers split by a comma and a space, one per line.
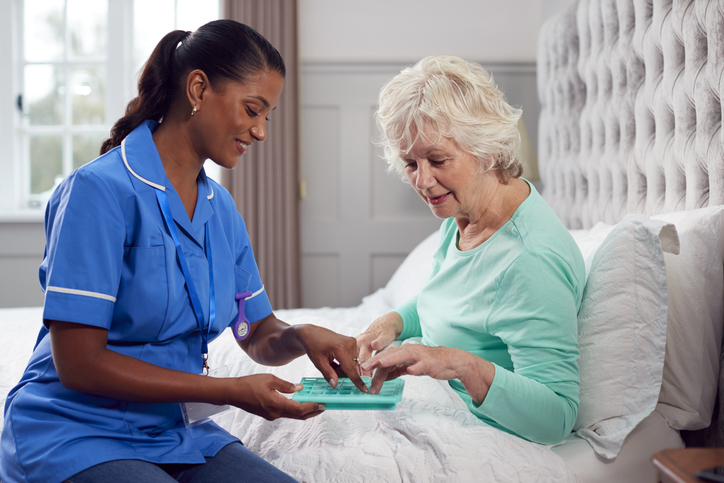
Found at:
[255, 293]
[80, 292]
[150, 183]
[128, 167]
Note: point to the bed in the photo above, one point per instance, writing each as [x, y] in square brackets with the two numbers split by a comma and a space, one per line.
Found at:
[631, 158]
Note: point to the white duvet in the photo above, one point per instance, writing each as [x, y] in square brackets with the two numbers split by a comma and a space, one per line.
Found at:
[430, 437]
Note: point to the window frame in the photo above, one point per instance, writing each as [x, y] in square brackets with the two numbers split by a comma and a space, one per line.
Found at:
[120, 89]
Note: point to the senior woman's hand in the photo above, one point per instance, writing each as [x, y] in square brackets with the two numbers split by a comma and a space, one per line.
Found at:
[443, 363]
[378, 336]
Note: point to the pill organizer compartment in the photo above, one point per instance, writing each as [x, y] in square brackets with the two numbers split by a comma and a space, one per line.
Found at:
[347, 396]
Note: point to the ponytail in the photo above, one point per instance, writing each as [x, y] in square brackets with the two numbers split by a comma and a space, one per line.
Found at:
[156, 88]
[223, 49]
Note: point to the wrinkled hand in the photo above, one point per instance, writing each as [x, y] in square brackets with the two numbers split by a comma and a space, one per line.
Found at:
[442, 363]
[378, 336]
[260, 394]
[335, 355]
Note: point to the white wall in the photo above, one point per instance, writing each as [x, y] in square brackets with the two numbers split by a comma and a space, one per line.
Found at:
[407, 30]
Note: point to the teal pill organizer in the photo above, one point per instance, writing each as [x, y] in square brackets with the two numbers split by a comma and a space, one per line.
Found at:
[347, 396]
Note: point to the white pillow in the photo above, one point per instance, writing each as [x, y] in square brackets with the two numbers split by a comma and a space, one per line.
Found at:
[588, 241]
[407, 280]
[696, 314]
[622, 330]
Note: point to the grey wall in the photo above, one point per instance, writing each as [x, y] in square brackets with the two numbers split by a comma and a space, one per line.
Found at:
[21, 251]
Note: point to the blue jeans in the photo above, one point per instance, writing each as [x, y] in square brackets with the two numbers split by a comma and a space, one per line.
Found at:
[234, 463]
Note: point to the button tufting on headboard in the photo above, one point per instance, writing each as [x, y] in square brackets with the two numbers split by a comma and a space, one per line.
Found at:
[631, 108]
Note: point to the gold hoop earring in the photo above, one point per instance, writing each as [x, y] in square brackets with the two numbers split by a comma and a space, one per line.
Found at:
[193, 112]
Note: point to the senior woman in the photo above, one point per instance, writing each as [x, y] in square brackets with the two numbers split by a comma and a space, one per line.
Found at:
[497, 315]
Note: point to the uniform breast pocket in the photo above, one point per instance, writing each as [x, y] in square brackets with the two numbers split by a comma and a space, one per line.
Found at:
[242, 278]
[142, 296]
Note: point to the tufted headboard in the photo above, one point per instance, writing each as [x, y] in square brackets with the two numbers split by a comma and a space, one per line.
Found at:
[631, 96]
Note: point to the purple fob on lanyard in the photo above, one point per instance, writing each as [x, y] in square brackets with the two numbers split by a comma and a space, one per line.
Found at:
[241, 326]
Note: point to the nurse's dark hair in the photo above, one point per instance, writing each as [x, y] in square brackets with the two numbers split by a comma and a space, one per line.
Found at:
[225, 50]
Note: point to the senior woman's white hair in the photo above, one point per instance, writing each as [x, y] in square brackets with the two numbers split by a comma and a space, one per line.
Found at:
[456, 99]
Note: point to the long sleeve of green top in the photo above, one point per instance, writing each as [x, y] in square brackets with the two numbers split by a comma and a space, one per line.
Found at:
[513, 301]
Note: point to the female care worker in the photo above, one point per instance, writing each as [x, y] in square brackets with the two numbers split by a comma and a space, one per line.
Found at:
[144, 257]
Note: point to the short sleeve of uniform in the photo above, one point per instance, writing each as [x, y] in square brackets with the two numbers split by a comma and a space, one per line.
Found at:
[247, 275]
[85, 233]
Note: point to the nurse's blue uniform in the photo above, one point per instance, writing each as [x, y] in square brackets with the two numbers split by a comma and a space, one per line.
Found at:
[110, 262]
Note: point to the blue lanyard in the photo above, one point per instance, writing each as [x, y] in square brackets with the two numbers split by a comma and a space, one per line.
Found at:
[195, 301]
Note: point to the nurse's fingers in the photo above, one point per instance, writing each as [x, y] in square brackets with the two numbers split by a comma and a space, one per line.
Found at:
[349, 363]
[288, 408]
[262, 394]
[297, 410]
[329, 352]
[288, 387]
[332, 371]
[328, 369]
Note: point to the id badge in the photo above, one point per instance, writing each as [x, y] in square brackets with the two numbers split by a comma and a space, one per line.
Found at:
[196, 413]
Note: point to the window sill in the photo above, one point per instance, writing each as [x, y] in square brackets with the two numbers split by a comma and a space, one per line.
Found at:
[22, 216]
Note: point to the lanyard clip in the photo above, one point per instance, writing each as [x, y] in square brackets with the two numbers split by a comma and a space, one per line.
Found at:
[205, 368]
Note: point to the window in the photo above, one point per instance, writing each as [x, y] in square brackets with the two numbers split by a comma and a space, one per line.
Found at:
[74, 66]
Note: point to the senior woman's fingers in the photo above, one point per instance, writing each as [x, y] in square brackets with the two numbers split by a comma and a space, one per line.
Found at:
[389, 364]
[385, 374]
[392, 356]
[379, 335]
[383, 340]
[364, 346]
[379, 377]
[442, 363]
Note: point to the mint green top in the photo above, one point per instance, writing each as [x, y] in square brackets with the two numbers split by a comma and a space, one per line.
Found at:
[513, 301]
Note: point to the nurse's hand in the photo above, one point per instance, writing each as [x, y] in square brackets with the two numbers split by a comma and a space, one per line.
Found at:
[378, 336]
[274, 343]
[333, 354]
[260, 394]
